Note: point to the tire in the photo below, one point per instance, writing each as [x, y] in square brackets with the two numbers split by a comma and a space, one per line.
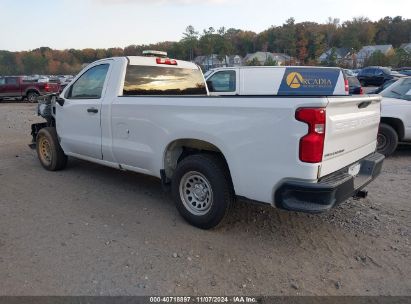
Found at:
[208, 175]
[49, 151]
[32, 96]
[387, 140]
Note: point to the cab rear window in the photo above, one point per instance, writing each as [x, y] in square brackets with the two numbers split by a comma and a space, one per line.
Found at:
[153, 80]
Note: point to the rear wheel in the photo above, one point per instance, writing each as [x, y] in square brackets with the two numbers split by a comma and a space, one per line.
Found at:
[32, 97]
[387, 140]
[202, 190]
[49, 151]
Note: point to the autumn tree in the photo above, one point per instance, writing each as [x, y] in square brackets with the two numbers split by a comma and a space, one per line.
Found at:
[305, 40]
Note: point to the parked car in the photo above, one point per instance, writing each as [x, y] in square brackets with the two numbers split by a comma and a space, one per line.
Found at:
[395, 116]
[354, 86]
[375, 76]
[154, 116]
[356, 71]
[404, 71]
[43, 79]
[349, 72]
[398, 74]
[21, 87]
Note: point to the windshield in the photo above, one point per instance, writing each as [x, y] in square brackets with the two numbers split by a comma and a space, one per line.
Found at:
[399, 90]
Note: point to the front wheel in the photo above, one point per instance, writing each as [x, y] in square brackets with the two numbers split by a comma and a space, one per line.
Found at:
[387, 140]
[49, 151]
[202, 190]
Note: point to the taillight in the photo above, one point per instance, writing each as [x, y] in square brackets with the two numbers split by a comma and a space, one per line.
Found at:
[347, 86]
[166, 61]
[47, 87]
[312, 144]
[361, 91]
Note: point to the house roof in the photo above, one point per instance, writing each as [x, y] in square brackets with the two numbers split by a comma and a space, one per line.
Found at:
[213, 59]
[233, 58]
[367, 50]
[260, 56]
[281, 57]
[339, 52]
[406, 47]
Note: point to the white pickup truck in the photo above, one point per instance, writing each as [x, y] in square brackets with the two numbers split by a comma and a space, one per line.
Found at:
[303, 149]
[395, 124]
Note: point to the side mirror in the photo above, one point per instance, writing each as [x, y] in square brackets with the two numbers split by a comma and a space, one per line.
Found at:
[60, 101]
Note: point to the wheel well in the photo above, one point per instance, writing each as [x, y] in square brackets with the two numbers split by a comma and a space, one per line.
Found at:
[395, 123]
[180, 149]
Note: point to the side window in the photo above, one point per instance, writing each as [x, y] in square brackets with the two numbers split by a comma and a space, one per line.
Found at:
[2, 81]
[11, 80]
[372, 71]
[224, 81]
[90, 84]
[378, 72]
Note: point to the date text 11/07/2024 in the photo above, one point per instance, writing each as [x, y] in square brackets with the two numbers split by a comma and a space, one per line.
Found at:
[205, 299]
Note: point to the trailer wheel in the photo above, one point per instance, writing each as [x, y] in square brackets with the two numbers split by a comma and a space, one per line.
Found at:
[32, 96]
[387, 140]
[49, 151]
[202, 190]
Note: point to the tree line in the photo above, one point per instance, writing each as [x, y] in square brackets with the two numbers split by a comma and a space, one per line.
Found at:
[305, 41]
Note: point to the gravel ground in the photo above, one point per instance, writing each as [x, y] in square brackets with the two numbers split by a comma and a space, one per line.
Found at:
[91, 230]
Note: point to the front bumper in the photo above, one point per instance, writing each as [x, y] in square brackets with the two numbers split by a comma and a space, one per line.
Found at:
[329, 191]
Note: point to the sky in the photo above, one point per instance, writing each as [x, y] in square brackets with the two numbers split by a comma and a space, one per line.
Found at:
[63, 24]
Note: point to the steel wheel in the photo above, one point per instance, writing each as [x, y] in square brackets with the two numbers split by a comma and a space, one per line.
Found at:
[382, 142]
[196, 193]
[45, 152]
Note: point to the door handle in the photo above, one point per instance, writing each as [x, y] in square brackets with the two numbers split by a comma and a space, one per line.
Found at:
[364, 104]
[92, 110]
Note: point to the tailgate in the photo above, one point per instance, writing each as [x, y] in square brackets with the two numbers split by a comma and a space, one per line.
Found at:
[351, 131]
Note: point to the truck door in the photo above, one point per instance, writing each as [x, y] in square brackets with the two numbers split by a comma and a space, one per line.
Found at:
[10, 87]
[78, 120]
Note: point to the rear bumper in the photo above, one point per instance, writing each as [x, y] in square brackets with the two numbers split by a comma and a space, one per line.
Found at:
[330, 190]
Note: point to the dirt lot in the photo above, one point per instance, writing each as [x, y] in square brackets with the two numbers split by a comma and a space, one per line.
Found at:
[91, 230]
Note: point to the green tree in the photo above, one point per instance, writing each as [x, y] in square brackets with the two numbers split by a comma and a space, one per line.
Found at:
[401, 59]
[377, 58]
[331, 60]
[253, 62]
[270, 62]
